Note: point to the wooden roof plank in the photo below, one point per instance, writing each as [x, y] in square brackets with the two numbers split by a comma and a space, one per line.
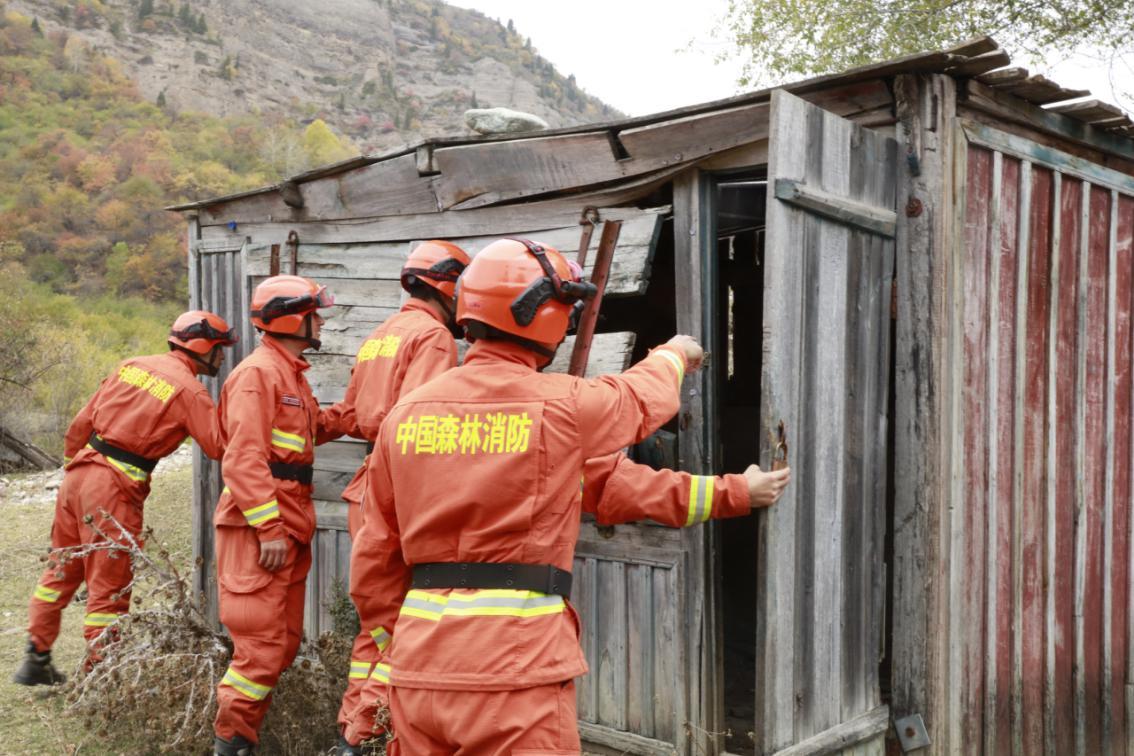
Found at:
[1089, 111]
[980, 64]
[1041, 90]
[1004, 76]
[974, 47]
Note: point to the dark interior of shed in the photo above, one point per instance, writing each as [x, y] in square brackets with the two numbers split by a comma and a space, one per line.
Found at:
[739, 211]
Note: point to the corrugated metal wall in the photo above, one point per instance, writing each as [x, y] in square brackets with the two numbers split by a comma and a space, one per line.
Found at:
[1040, 535]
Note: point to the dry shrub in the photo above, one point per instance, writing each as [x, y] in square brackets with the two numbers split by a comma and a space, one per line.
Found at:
[154, 688]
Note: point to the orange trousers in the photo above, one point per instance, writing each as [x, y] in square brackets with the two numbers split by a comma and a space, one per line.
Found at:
[90, 489]
[364, 654]
[536, 721]
[263, 612]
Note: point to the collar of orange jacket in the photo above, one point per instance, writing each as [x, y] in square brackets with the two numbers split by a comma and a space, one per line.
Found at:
[489, 351]
[298, 364]
[414, 304]
[185, 360]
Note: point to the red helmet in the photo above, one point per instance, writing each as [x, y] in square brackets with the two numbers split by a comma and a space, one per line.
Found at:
[435, 263]
[521, 288]
[281, 303]
[199, 331]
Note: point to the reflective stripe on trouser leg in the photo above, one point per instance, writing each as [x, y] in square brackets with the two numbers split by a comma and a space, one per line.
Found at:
[259, 609]
[366, 653]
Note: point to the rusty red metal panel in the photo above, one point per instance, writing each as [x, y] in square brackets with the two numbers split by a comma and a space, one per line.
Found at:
[1093, 490]
[975, 441]
[1062, 594]
[1034, 478]
[1118, 579]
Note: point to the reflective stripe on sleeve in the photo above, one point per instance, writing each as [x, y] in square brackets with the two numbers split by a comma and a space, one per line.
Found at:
[676, 361]
[381, 673]
[255, 691]
[262, 513]
[491, 602]
[700, 498]
[288, 441]
[43, 593]
[381, 638]
[100, 619]
[359, 669]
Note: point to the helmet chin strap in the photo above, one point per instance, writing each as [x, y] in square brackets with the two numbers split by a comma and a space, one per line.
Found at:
[207, 366]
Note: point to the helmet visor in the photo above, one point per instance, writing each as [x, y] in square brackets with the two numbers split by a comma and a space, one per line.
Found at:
[324, 298]
[205, 330]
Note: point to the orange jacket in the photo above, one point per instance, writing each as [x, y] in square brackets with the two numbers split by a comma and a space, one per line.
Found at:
[409, 348]
[147, 406]
[616, 490]
[268, 414]
[484, 464]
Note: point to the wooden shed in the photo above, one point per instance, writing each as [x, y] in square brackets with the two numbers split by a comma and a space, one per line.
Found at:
[918, 275]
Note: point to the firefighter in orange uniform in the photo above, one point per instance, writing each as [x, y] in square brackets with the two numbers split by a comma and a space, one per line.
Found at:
[141, 412]
[618, 490]
[408, 349]
[472, 506]
[265, 519]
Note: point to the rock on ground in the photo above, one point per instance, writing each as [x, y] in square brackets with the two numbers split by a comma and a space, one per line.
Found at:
[502, 121]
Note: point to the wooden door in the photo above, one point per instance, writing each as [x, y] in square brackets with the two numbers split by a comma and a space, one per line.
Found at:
[827, 293]
[216, 284]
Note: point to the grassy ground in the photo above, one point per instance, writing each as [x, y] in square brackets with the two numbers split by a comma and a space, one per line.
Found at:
[32, 719]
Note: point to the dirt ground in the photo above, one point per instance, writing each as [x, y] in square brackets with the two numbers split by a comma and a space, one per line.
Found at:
[32, 719]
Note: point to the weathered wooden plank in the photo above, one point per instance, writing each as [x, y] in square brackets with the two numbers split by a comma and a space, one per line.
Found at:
[783, 338]
[682, 139]
[640, 683]
[1089, 111]
[1014, 110]
[824, 423]
[1003, 77]
[389, 187]
[1109, 474]
[585, 601]
[1051, 566]
[694, 268]
[554, 213]
[979, 64]
[611, 652]
[1032, 482]
[1040, 90]
[1048, 156]
[922, 413]
[858, 214]
[624, 742]
[669, 696]
[969, 664]
[1094, 470]
[1067, 305]
[842, 736]
[1122, 449]
[331, 514]
[337, 261]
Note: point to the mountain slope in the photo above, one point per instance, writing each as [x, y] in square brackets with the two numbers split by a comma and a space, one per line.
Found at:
[385, 72]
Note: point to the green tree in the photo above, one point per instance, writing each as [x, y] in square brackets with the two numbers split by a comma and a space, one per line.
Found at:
[35, 26]
[161, 99]
[145, 9]
[780, 39]
[201, 27]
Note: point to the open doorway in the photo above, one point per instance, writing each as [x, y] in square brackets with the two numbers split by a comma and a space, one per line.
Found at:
[739, 206]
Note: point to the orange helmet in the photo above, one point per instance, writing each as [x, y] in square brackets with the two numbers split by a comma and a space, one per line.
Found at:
[199, 331]
[521, 288]
[435, 263]
[280, 304]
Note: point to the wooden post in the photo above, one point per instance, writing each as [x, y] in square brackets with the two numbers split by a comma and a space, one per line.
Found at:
[922, 423]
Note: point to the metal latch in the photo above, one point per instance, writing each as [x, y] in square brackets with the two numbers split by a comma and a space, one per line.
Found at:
[912, 733]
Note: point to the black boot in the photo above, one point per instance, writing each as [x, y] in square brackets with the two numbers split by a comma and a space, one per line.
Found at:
[37, 669]
[238, 746]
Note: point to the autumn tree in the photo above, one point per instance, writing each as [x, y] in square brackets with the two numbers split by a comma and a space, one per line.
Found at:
[782, 39]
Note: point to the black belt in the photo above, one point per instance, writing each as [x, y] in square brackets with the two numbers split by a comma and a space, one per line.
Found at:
[130, 458]
[285, 471]
[525, 577]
